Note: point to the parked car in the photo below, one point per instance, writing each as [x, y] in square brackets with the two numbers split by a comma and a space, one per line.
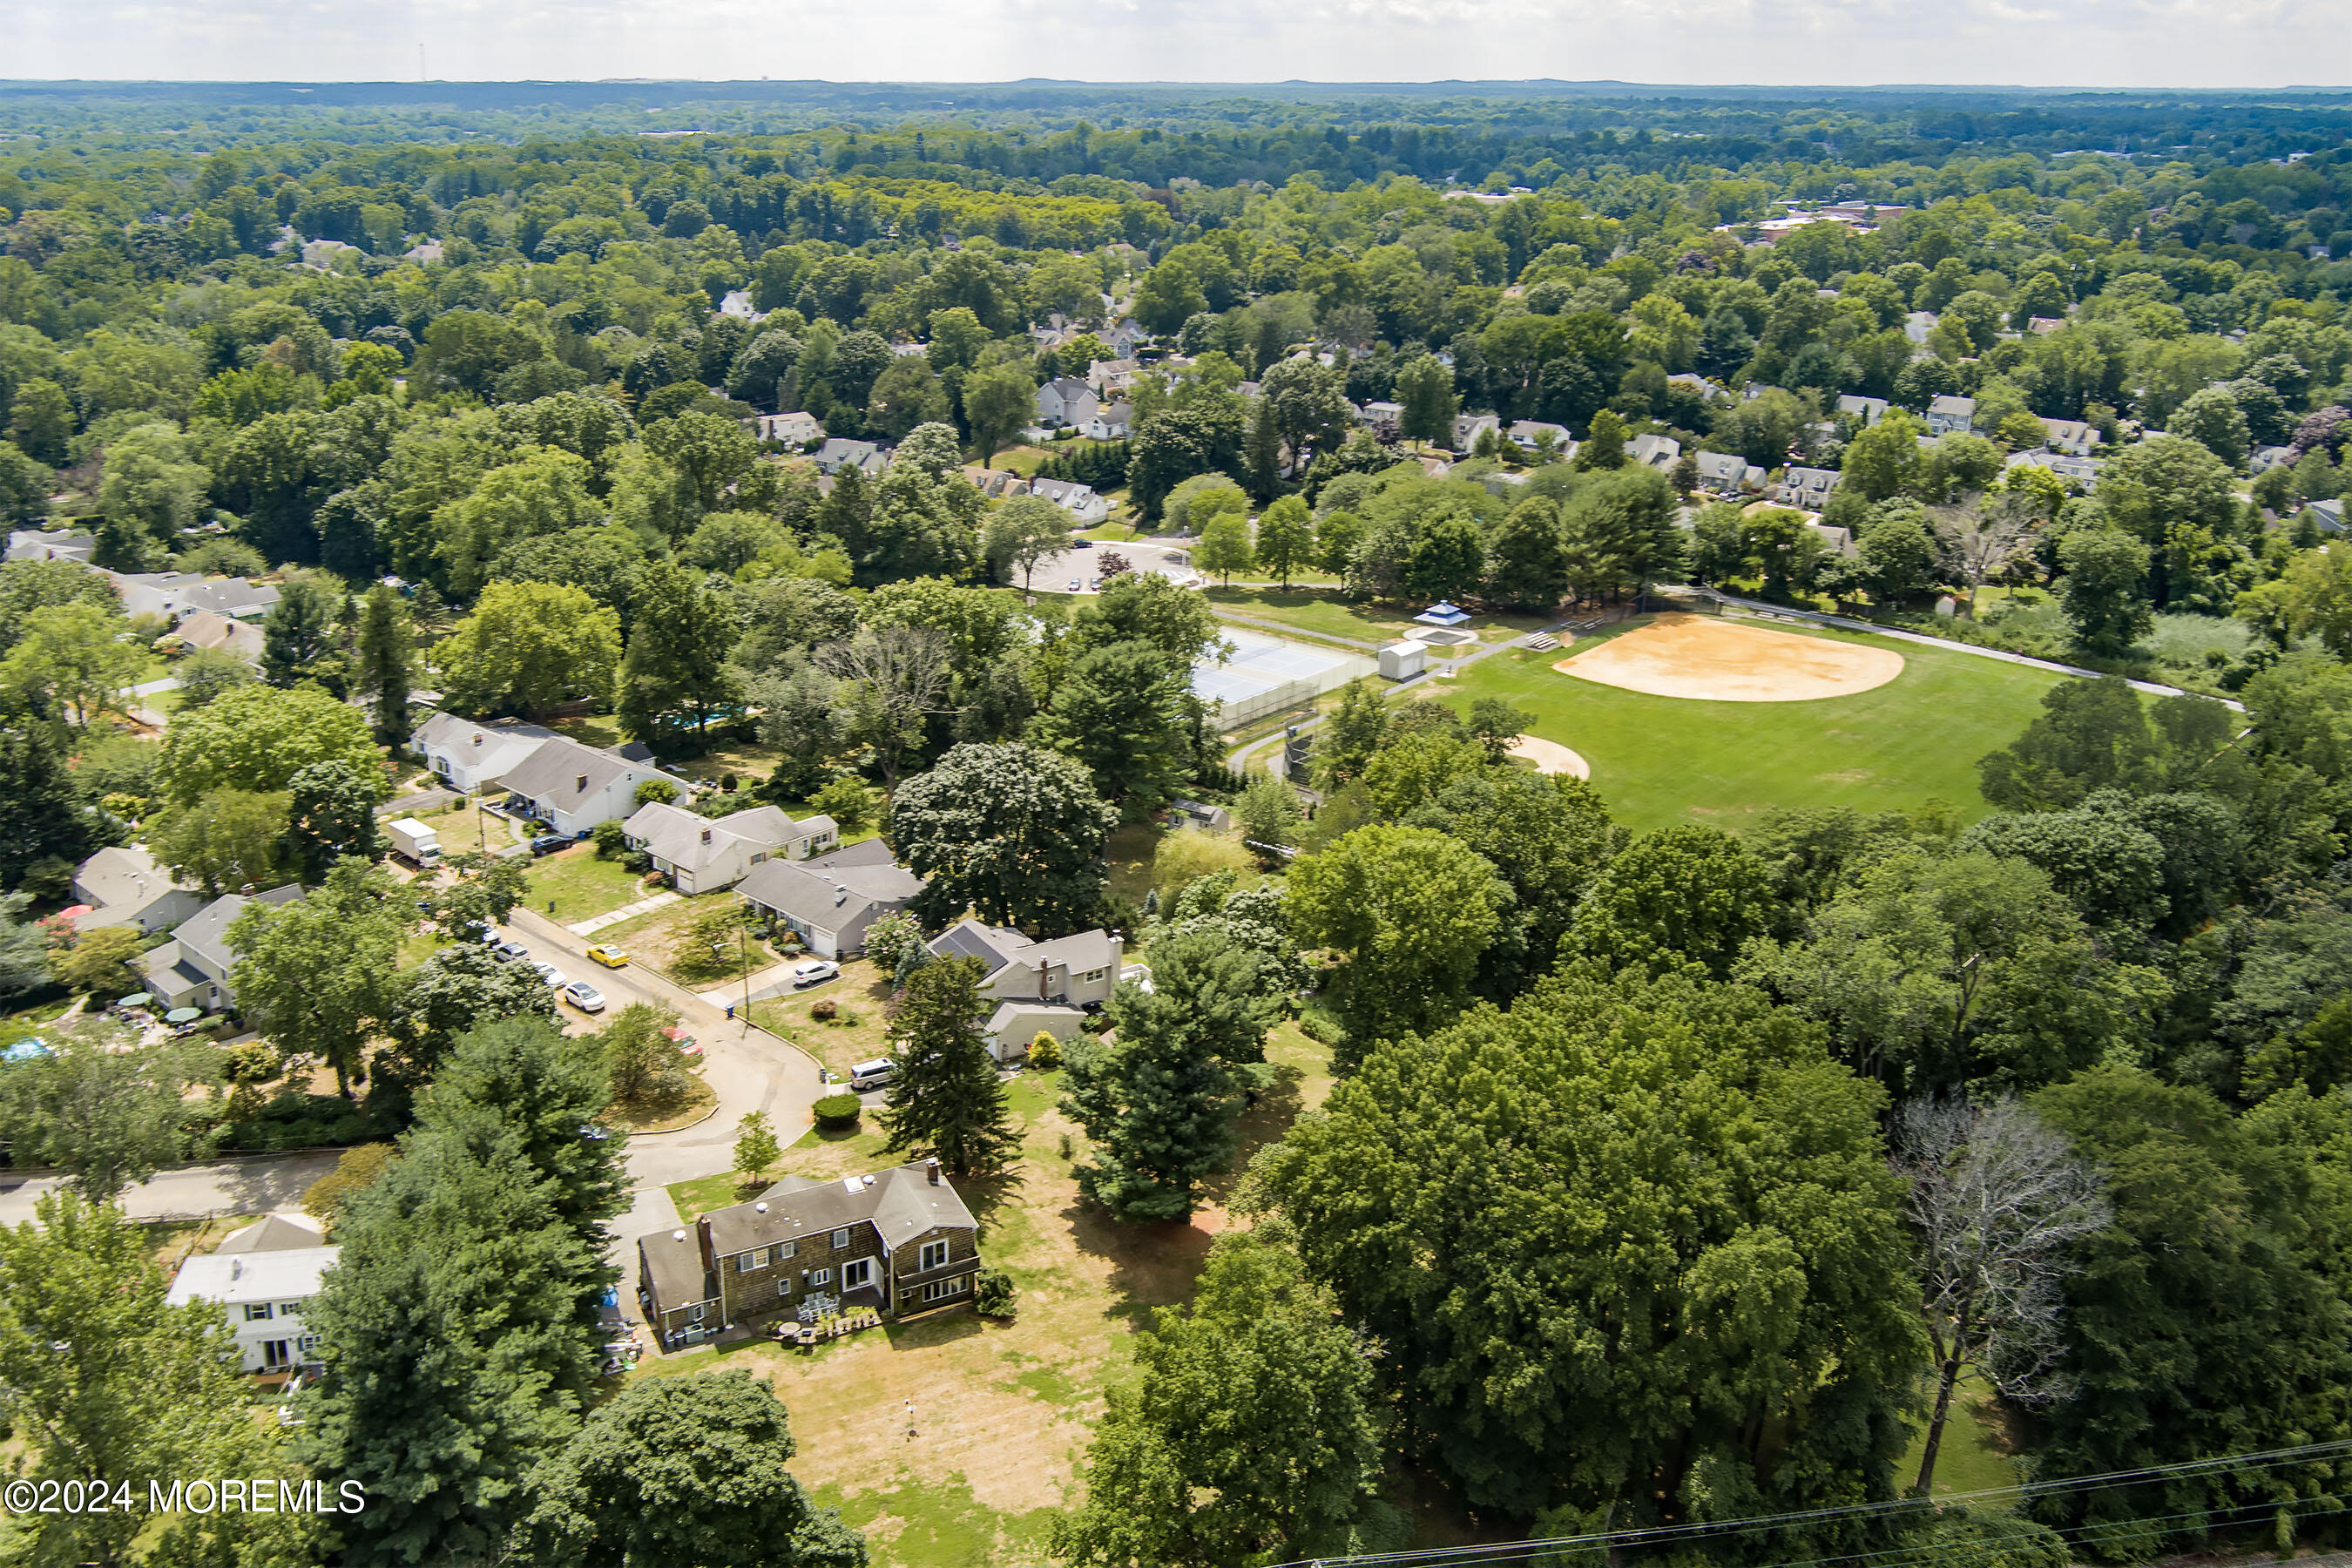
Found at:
[1072, 587]
[610, 957]
[814, 973]
[507, 951]
[1082, 544]
[583, 995]
[554, 977]
[873, 1074]
[549, 843]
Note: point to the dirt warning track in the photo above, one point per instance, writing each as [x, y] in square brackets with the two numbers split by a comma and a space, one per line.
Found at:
[1714, 660]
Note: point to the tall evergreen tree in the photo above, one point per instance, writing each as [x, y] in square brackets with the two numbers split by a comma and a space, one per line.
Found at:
[299, 631]
[387, 662]
[945, 1101]
[1262, 453]
[1159, 1103]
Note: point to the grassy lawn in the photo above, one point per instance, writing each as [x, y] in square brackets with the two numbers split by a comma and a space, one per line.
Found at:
[573, 884]
[1661, 760]
[1323, 613]
[1002, 1411]
[1129, 853]
[1975, 1456]
[685, 1113]
[466, 827]
[658, 940]
[857, 1033]
[173, 1242]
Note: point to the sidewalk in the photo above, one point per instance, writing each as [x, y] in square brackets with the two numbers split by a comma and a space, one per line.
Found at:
[590, 927]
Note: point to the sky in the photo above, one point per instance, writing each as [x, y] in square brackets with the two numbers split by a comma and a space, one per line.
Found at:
[2040, 43]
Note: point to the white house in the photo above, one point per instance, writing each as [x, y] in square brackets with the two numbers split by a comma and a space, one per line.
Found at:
[1807, 488]
[2268, 457]
[2071, 437]
[193, 968]
[837, 454]
[797, 428]
[1111, 422]
[2083, 471]
[831, 899]
[1036, 985]
[1386, 419]
[468, 753]
[1468, 427]
[1869, 410]
[702, 854]
[1080, 500]
[1109, 376]
[1950, 415]
[1726, 473]
[1527, 434]
[32, 544]
[1066, 401]
[125, 886]
[263, 1278]
[571, 787]
[1652, 451]
[171, 594]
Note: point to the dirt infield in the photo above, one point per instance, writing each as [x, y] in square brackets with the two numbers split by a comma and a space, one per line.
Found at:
[1725, 661]
[1551, 756]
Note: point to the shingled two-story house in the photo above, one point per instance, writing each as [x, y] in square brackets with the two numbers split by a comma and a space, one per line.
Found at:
[898, 1241]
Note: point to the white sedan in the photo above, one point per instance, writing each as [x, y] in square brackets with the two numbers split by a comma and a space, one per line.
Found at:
[583, 995]
[814, 973]
[555, 977]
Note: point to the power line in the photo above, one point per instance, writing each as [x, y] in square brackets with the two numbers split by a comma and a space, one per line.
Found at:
[2264, 1459]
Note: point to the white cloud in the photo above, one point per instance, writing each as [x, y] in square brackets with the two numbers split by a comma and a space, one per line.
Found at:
[2099, 43]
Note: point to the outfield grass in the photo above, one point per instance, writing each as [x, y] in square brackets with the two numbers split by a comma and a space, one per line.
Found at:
[1663, 760]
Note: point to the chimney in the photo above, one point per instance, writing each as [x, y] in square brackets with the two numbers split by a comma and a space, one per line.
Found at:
[581, 784]
[236, 1267]
[706, 836]
[931, 1170]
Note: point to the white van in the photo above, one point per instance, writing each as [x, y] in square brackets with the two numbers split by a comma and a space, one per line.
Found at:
[873, 1074]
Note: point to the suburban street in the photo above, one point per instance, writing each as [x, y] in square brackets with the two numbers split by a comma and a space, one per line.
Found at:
[749, 1068]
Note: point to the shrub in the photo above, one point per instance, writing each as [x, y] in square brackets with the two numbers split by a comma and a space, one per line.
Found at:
[1319, 1029]
[610, 840]
[824, 1010]
[353, 1174]
[891, 937]
[836, 1112]
[992, 1293]
[654, 790]
[729, 783]
[848, 802]
[1045, 1052]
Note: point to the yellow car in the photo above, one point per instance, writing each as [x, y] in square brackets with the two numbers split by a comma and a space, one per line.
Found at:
[610, 957]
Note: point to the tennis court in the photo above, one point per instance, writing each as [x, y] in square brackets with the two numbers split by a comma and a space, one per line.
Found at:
[1264, 674]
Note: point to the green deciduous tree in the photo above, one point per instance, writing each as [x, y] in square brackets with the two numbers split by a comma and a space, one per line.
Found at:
[1120, 710]
[1253, 1432]
[258, 738]
[1412, 908]
[1425, 393]
[316, 975]
[998, 402]
[682, 1469]
[526, 646]
[1013, 833]
[104, 1110]
[945, 1102]
[2104, 591]
[455, 990]
[675, 673]
[226, 840]
[1687, 894]
[1745, 1334]
[1024, 532]
[71, 655]
[330, 814]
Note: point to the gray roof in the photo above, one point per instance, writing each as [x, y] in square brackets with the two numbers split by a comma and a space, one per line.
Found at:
[275, 1232]
[970, 939]
[205, 936]
[554, 769]
[830, 891]
[901, 1203]
[671, 1262]
[124, 875]
[1725, 466]
[996, 946]
[1088, 949]
[475, 742]
[1953, 406]
[687, 838]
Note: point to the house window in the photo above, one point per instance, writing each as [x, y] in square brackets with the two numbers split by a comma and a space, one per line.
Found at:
[820, 1278]
[755, 1259]
[289, 1308]
[308, 1344]
[840, 1239]
[257, 1311]
[694, 1313]
[858, 1275]
[783, 1284]
[940, 1289]
[785, 1249]
[934, 1256]
[441, 766]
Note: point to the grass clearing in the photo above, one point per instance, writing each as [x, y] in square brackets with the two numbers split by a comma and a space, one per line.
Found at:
[857, 1032]
[1128, 853]
[1003, 1410]
[1976, 1455]
[573, 884]
[1662, 760]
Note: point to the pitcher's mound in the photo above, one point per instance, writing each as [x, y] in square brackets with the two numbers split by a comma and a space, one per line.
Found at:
[1724, 661]
[1551, 756]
